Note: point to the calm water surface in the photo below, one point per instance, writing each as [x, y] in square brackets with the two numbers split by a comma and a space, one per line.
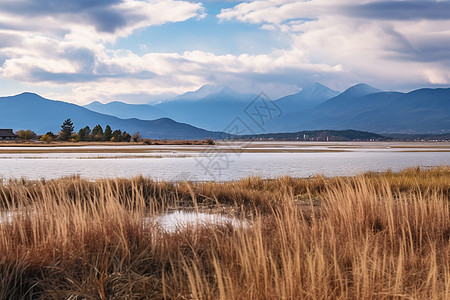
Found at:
[221, 162]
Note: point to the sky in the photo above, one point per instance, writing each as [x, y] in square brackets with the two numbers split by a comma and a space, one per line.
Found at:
[146, 51]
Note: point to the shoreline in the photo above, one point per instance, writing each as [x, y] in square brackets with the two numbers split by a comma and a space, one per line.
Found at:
[83, 144]
[147, 142]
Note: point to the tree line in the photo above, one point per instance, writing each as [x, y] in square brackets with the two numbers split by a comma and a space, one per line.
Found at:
[67, 133]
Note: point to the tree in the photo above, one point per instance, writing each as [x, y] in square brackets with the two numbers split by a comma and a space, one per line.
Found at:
[107, 135]
[84, 133]
[126, 136]
[74, 138]
[66, 130]
[46, 138]
[117, 136]
[97, 133]
[136, 137]
[26, 134]
[50, 134]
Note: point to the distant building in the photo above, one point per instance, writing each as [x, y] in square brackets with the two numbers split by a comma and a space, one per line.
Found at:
[7, 134]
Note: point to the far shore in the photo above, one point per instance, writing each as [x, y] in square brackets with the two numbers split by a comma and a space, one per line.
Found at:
[94, 143]
[245, 143]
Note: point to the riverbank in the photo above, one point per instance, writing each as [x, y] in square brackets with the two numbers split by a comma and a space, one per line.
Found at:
[377, 235]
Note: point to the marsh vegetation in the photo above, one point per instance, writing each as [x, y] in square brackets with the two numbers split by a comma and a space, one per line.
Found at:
[372, 236]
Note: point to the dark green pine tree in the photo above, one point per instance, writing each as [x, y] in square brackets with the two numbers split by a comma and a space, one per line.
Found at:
[97, 133]
[117, 134]
[66, 130]
[108, 134]
[84, 133]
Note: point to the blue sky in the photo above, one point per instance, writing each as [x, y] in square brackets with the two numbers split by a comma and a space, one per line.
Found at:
[141, 51]
[208, 34]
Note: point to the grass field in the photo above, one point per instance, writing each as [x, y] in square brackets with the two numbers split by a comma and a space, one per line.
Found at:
[373, 236]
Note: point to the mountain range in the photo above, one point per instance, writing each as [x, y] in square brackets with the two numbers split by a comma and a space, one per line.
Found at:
[360, 107]
[307, 98]
[214, 107]
[30, 111]
[211, 107]
[363, 107]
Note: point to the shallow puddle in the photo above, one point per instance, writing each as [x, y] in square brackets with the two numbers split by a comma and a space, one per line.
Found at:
[169, 222]
[180, 219]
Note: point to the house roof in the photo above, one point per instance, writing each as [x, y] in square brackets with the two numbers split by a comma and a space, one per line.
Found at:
[7, 133]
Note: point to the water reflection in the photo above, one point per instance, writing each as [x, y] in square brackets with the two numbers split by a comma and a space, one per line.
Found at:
[195, 163]
[170, 222]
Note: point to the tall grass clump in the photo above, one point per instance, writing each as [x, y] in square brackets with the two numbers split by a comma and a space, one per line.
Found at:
[373, 236]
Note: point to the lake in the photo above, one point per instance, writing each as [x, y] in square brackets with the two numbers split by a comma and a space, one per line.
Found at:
[222, 162]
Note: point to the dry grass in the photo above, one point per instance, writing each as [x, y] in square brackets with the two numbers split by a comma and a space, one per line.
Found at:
[374, 236]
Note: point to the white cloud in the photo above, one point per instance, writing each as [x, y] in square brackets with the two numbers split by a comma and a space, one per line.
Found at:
[65, 42]
[371, 46]
[93, 20]
[329, 43]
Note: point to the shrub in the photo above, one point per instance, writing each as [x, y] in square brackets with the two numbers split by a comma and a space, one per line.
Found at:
[136, 137]
[26, 134]
[46, 139]
[74, 138]
[210, 141]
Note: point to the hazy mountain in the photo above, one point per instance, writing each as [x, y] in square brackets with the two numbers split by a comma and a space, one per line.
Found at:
[355, 100]
[211, 107]
[126, 111]
[30, 111]
[360, 107]
[359, 90]
[295, 107]
[306, 99]
[204, 91]
[365, 108]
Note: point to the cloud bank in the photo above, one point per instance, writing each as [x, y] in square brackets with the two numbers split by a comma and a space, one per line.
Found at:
[390, 44]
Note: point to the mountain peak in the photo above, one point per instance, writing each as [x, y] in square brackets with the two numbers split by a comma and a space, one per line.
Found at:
[317, 85]
[309, 97]
[94, 103]
[212, 88]
[205, 91]
[359, 90]
[318, 90]
[28, 94]
[26, 97]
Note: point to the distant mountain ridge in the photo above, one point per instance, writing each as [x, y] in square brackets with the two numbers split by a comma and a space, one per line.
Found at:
[365, 108]
[204, 91]
[360, 107]
[307, 98]
[126, 111]
[31, 111]
[359, 90]
[213, 110]
[212, 107]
